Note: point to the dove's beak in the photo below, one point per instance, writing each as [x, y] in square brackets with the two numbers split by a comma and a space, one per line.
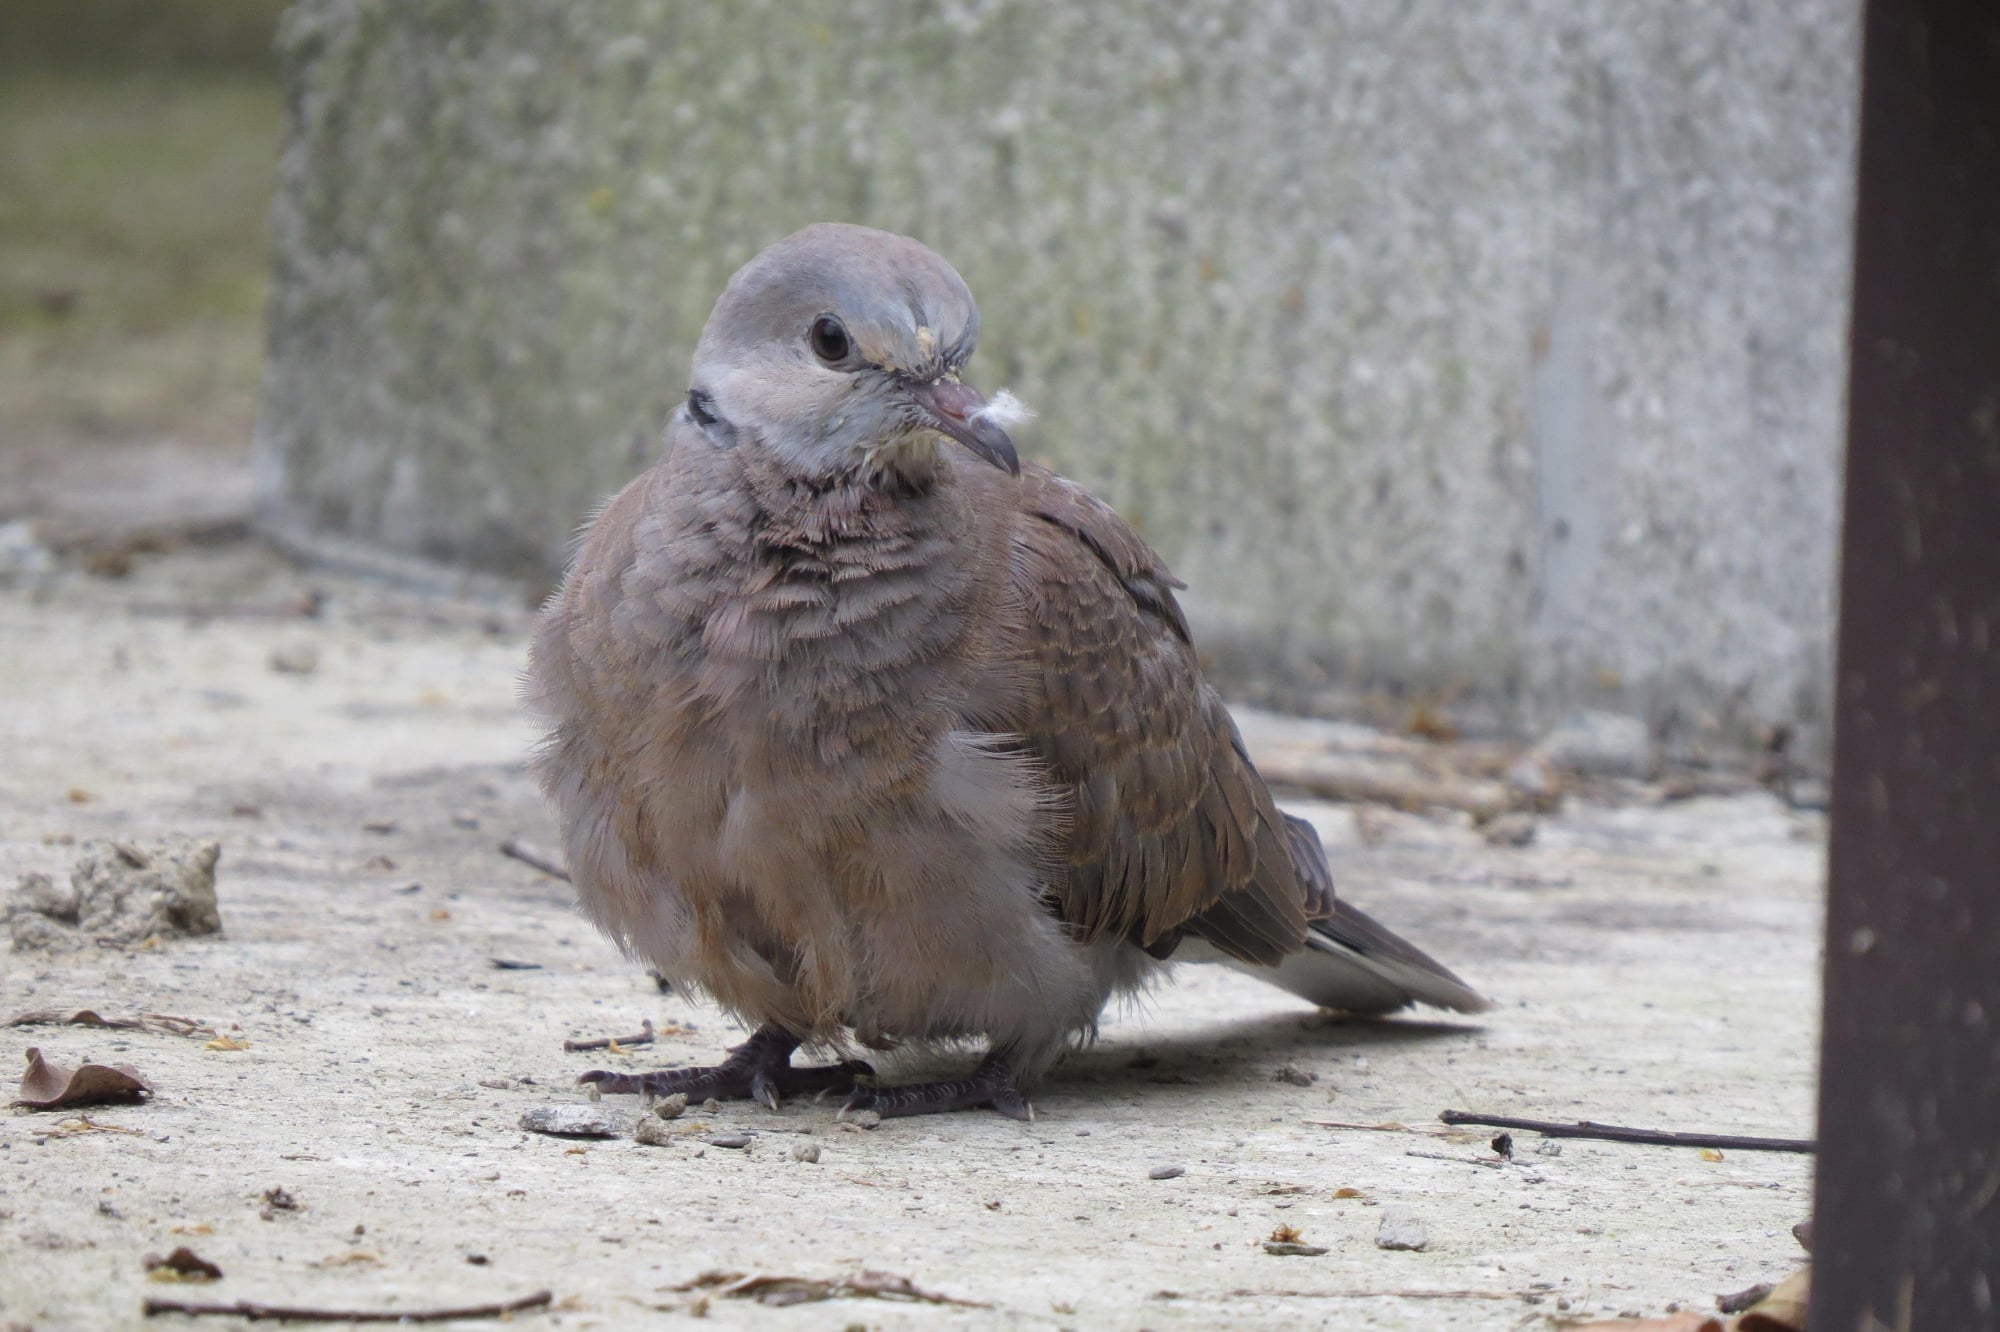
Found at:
[957, 410]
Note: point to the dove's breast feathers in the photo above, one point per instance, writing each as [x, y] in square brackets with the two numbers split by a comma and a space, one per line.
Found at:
[771, 741]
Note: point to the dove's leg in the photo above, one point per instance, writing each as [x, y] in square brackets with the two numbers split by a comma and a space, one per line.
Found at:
[991, 1084]
[760, 1069]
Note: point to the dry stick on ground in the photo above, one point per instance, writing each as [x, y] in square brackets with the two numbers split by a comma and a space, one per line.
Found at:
[606, 1042]
[164, 1023]
[1494, 1164]
[1246, 1293]
[532, 855]
[278, 1312]
[1388, 1126]
[1356, 780]
[1612, 1133]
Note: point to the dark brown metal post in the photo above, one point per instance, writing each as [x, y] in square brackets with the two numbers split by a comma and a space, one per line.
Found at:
[1907, 1218]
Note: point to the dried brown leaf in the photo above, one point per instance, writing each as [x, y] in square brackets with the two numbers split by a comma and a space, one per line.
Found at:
[183, 1264]
[780, 1291]
[1784, 1309]
[1289, 1249]
[47, 1086]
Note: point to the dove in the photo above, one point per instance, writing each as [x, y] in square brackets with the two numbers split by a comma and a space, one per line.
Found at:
[880, 737]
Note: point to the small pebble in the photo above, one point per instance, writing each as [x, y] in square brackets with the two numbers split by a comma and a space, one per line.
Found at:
[671, 1107]
[863, 1119]
[806, 1151]
[710, 1106]
[737, 1141]
[477, 1259]
[569, 1121]
[1510, 830]
[1294, 1075]
[1166, 1172]
[1288, 1249]
[1401, 1228]
[652, 1132]
[295, 659]
[1548, 1147]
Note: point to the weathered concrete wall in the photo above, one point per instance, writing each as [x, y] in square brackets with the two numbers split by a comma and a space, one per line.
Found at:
[1446, 345]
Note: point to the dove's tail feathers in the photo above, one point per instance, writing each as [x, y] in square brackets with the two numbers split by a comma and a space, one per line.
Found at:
[1355, 965]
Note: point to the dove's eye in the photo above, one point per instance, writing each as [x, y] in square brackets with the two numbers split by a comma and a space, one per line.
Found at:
[829, 339]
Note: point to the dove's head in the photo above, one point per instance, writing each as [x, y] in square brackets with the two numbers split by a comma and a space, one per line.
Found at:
[840, 347]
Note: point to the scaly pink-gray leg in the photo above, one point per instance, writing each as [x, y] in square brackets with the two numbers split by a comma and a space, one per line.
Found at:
[760, 1069]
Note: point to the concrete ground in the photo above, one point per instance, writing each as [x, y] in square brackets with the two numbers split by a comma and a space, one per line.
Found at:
[1653, 963]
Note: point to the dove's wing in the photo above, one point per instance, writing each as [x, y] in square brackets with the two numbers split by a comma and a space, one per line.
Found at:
[1172, 831]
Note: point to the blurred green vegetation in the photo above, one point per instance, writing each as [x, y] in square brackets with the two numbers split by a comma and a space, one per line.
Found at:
[137, 143]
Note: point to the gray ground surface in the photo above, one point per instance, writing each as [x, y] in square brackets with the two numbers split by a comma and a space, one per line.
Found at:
[1653, 963]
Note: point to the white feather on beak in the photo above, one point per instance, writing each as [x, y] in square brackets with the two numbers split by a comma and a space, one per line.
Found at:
[1005, 410]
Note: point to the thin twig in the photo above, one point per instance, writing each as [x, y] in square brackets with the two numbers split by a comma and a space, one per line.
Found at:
[159, 1023]
[1612, 1133]
[535, 856]
[253, 1311]
[1494, 1164]
[1356, 779]
[1389, 1126]
[1246, 1293]
[606, 1042]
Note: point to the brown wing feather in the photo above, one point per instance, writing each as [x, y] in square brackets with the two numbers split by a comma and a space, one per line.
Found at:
[1172, 830]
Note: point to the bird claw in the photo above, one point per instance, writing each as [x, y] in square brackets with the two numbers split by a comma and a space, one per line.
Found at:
[990, 1086]
[758, 1070]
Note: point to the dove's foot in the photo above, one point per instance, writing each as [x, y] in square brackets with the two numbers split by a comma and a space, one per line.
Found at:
[760, 1070]
[991, 1084]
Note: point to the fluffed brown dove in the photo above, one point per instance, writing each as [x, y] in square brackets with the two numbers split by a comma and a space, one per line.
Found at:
[881, 740]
